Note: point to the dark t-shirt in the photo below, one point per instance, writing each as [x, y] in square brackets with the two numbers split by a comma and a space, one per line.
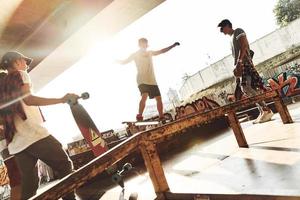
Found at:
[235, 44]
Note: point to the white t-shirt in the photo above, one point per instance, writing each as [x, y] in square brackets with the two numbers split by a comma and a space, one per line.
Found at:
[144, 65]
[30, 130]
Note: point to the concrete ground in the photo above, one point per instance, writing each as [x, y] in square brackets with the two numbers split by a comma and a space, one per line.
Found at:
[270, 166]
[212, 162]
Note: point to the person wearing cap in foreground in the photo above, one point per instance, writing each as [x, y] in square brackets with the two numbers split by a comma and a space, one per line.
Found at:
[245, 72]
[26, 137]
[145, 76]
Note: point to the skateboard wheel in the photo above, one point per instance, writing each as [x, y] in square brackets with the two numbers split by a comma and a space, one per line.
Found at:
[85, 95]
[127, 167]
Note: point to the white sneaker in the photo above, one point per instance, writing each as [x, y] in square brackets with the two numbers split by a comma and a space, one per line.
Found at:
[266, 116]
[256, 121]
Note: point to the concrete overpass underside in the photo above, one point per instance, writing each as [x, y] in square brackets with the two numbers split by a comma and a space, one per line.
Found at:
[58, 33]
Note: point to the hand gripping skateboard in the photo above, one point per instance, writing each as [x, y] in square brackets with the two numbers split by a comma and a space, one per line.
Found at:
[87, 127]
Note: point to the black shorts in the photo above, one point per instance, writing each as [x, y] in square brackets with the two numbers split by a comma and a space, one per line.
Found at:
[152, 90]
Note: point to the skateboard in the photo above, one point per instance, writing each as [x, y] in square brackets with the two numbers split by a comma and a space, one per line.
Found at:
[118, 178]
[137, 126]
[142, 123]
[87, 127]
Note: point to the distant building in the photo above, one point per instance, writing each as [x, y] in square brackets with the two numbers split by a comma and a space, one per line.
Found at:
[151, 110]
[173, 97]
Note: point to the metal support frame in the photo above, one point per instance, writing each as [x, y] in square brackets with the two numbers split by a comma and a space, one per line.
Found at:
[145, 142]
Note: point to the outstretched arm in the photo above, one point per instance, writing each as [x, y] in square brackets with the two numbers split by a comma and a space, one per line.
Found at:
[32, 100]
[128, 60]
[164, 50]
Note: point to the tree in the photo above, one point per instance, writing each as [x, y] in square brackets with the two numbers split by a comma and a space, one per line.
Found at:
[286, 11]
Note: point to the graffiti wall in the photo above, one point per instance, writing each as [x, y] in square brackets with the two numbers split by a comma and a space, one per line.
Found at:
[200, 105]
[286, 82]
[4, 182]
[3, 174]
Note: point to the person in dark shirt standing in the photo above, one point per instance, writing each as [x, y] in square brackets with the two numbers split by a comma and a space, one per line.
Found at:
[245, 72]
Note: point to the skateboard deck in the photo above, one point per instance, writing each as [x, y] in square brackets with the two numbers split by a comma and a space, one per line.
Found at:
[138, 126]
[142, 122]
[151, 121]
[87, 127]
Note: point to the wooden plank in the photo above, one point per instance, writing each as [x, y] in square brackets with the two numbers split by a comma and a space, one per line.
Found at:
[154, 167]
[186, 196]
[237, 129]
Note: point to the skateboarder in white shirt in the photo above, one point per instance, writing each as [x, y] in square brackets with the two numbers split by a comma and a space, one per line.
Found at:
[145, 76]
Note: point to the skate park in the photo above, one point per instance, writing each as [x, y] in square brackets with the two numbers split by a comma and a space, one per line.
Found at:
[210, 149]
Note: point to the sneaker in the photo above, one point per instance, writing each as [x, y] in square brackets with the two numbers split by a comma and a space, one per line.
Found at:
[266, 116]
[139, 117]
[256, 121]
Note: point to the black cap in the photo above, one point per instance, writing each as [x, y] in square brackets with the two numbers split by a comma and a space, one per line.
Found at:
[10, 57]
[224, 23]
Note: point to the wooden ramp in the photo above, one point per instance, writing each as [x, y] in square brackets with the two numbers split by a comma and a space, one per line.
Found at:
[145, 142]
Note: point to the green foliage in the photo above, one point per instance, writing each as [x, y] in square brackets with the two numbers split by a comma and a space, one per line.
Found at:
[286, 11]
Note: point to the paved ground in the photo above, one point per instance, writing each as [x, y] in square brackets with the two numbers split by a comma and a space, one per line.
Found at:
[212, 162]
[270, 166]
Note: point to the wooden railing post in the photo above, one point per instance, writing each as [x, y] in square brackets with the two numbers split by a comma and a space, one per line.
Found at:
[154, 168]
[282, 110]
[237, 129]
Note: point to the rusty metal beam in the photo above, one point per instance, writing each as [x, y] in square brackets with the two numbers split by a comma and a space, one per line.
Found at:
[154, 167]
[160, 133]
[237, 129]
[95, 167]
[282, 110]
[145, 141]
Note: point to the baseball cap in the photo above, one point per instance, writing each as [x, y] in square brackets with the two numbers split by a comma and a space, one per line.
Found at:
[11, 56]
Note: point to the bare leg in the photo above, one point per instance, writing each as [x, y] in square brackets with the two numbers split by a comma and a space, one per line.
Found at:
[159, 105]
[142, 103]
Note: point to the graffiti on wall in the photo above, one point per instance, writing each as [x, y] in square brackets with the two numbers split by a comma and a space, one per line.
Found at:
[200, 105]
[287, 82]
[3, 174]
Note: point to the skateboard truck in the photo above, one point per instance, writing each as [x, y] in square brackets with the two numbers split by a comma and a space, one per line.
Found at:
[118, 178]
[73, 101]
